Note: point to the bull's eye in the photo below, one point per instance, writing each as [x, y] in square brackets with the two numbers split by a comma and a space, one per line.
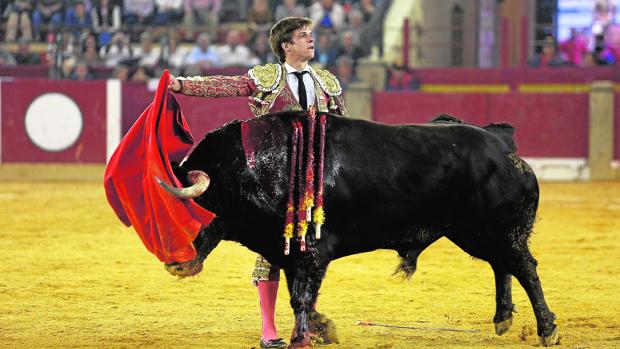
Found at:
[179, 268]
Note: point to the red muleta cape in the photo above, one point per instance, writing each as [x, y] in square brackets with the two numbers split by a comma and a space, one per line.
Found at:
[167, 225]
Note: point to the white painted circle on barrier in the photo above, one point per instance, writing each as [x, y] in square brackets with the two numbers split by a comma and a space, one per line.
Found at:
[53, 122]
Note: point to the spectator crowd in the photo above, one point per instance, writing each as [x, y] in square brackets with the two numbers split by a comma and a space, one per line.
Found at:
[137, 39]
[596, 45]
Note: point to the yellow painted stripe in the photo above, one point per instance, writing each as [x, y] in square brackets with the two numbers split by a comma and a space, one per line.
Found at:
[554, 88]
[460, 88]
[505, 88]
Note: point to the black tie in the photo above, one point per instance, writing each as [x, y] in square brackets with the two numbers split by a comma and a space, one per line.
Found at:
[301, 89]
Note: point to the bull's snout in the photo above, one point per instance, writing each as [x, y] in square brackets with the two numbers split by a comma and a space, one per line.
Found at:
[185, 269]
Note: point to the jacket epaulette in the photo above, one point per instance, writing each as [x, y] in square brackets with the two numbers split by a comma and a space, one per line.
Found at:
[267, 77]
[329, 83]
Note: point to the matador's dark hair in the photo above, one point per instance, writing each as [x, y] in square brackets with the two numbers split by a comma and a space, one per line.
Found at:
[282, 32]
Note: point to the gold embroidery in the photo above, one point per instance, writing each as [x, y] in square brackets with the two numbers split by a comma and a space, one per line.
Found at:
[264, 271]
[320, 97]
[329, 83]
[266, 77]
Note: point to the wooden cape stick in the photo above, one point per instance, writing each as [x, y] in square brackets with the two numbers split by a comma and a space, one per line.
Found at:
[368, 323]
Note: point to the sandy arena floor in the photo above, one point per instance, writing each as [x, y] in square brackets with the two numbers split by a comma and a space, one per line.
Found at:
[73, 277]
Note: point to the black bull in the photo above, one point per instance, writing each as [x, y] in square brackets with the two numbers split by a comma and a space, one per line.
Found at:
[386, 187]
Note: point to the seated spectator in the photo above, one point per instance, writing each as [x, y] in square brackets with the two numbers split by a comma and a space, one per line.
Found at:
[106, 19]
[325, 52]
[24, 56]
[19, 13]
[146, 54]
[201, 12]
[259, 18]
[612, 44]
[168, 12]
[589, 59]
[368, 9]
[6, 57]
[47, 12]
[118, 50]
[400, 77]
[138, 13]
[81, 72]
[235, 54]
[203, 56]
[345, 72]
[59, 50]
[327, 14]
[347, 47]
[142, 74]
[356, 25]
[89, 51]
[77, 19]
[605, 51]
[549, 57]
[290, 8]
[261, 49]
[66, 67]
[173, 56]
[574, 48]
[122, 72]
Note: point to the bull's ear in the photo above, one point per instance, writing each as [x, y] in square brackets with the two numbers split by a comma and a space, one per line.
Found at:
[505, 132]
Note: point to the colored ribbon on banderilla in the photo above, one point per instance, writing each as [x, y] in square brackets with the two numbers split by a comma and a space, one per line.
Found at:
[290, 206]
[305, 182]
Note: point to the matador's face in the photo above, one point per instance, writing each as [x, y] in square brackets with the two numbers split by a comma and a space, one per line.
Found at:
[301, 47]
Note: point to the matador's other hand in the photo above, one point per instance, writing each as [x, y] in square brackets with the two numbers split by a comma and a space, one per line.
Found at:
[174, 85]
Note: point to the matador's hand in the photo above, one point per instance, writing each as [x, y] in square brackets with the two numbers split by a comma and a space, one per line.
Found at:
[174, 85]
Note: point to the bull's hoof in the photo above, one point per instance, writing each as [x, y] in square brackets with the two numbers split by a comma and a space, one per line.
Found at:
[503, 326]
[304, 344]
[323, 330]
[552, 339]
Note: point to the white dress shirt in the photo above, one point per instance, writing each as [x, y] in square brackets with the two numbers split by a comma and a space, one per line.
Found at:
[293, 83]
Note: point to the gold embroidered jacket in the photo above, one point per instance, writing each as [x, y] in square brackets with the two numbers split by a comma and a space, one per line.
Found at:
[268, 92]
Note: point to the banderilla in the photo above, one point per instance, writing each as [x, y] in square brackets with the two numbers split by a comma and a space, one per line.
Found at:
[368, 323]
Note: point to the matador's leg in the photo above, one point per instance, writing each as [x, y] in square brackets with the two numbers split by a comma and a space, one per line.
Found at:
[267, 278]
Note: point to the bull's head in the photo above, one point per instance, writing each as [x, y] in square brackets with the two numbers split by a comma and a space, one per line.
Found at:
[204, 243]
[200, 182]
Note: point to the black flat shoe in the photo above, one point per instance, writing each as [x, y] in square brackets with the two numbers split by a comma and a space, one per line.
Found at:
[277, 343]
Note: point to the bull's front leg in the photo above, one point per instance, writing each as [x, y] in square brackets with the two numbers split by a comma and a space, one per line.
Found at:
[304, 280]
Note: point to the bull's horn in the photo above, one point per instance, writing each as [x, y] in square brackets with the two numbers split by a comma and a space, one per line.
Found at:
[200, 181]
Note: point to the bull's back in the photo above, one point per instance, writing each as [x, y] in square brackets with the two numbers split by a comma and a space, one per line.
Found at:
[385, 180]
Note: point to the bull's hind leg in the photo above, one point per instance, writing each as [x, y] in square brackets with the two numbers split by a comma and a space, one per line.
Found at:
[524, 269]
[503, 301]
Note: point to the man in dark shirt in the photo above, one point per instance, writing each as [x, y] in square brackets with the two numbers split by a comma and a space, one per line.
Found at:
[24, 55]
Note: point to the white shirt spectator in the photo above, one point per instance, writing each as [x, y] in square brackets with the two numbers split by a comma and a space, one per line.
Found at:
[167, 5]
[327, 13]
[237, 56]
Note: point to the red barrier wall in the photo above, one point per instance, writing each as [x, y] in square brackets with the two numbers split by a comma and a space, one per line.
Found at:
[78, 137]
[202, 114]
[547, 125]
